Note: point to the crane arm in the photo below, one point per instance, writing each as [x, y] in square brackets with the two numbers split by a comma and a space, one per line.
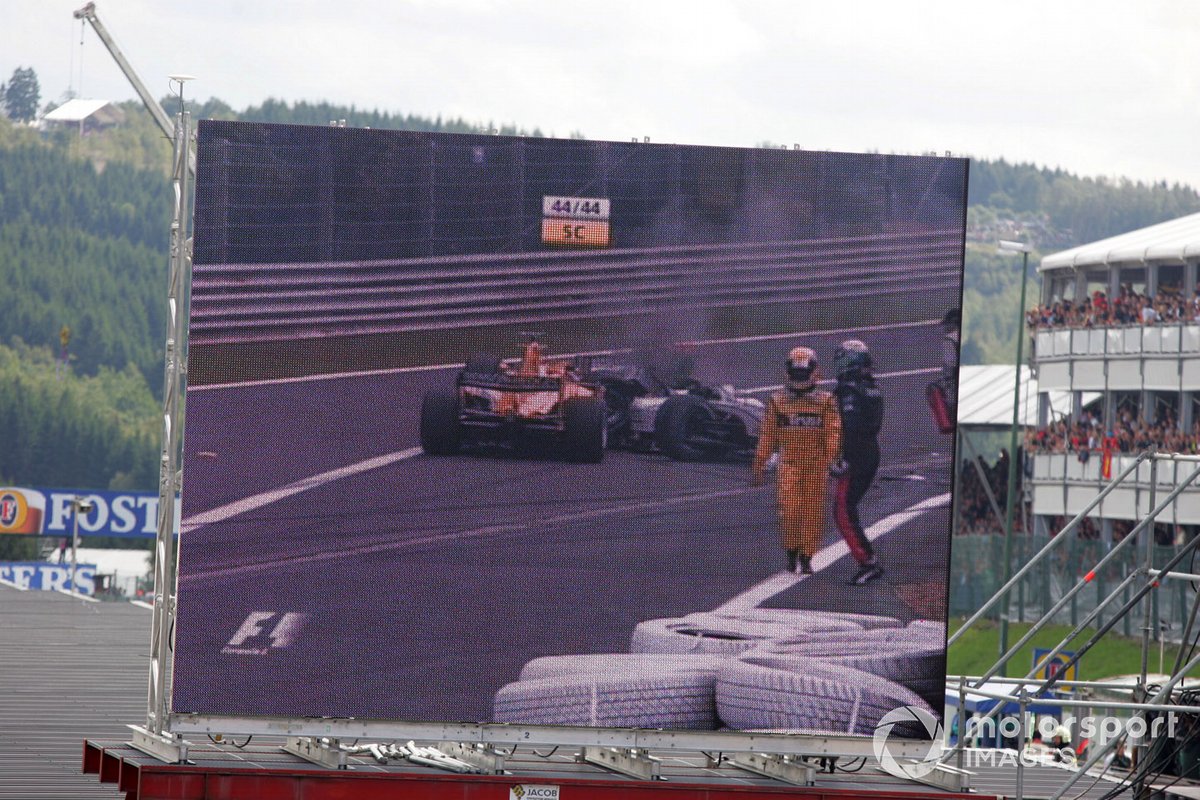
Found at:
[88, 13]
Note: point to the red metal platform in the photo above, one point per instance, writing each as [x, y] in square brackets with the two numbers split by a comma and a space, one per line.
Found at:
[264, 772]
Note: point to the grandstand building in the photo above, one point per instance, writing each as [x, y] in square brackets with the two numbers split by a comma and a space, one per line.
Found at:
[1121, 317]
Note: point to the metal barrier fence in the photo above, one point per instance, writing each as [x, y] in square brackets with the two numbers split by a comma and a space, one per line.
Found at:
[235, 303]
[1074, 343]
[1062, 484]
[977, 572]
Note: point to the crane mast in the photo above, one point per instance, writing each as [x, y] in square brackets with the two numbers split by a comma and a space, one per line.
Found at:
[156, 738]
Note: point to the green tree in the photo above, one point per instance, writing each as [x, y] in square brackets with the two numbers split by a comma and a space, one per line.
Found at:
[22, 94]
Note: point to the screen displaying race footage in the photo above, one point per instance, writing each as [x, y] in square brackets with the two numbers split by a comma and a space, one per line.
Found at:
[561, 432]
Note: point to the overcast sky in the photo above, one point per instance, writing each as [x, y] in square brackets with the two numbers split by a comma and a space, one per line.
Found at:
[1097, 88]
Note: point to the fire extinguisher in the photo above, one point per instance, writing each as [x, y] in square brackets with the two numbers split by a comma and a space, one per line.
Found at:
[935, 393]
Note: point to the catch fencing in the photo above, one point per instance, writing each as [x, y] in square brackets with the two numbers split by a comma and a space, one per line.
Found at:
[238, 303]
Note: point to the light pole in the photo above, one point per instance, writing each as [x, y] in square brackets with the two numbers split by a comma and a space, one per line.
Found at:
[1011, 500]
[80, 505]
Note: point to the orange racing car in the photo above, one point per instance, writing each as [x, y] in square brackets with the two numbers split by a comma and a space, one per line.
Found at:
[537, 398]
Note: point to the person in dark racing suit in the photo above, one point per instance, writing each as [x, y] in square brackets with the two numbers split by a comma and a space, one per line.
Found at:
[861, 407]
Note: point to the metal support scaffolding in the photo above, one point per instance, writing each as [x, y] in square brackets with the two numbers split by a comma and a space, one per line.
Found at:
[1054, 542]
[165, 557]
[1135, 589]
[797, 772]
[322, 752]
[631, 762]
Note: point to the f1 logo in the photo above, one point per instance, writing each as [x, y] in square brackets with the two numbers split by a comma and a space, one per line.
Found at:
[254, 637]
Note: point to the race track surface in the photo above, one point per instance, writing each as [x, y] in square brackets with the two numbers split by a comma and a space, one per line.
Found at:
[429, 582]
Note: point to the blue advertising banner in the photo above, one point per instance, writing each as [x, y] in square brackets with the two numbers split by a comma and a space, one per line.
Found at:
[49, 512]
[48, 577]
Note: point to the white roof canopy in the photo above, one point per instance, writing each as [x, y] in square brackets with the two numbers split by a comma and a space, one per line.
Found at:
[985, 397]
[1173, 241]
[75, 110]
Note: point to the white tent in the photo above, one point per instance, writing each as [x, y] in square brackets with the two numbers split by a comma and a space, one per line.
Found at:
[985, 397]
[80, 111]
[1173, 241]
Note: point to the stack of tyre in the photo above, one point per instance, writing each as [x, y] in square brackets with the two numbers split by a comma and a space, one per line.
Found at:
[764, 670]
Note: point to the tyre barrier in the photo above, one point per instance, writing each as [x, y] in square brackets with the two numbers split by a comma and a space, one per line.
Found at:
[619, 664]
[710, 634]
[825, 697]
[929, 627]
[680, 700]
[809, 620]
[915, 661]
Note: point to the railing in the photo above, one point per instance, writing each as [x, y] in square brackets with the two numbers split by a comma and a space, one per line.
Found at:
[1062, 484]
[1059, 467]
[234, 303]
[1135, 340]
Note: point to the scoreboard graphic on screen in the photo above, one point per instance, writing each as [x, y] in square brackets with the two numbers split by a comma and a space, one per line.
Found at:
[495, 429]
[576, 221]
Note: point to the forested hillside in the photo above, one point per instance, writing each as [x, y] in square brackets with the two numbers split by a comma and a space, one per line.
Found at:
[83, 244]
[1053, 210]
[81, 248]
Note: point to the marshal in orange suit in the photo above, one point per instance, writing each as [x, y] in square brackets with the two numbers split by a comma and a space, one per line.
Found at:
[803, 425]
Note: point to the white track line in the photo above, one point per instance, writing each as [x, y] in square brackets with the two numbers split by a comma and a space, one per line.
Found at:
[437, 367]
[760, 593]
[222, 513]
[77, 595]
[17, 586]
[142, 604]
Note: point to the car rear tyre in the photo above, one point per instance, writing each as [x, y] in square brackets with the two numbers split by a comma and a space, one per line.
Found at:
[440, 433]
[584, 431]
[675, 427]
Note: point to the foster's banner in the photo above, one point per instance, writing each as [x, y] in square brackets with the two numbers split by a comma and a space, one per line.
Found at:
[49, 512]
[48, 577]
[21, 510]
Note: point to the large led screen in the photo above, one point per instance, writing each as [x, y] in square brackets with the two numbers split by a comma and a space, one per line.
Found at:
[563, 432]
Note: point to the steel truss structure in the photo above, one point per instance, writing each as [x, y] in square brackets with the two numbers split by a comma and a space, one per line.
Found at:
[156, 738]
[1142, 581]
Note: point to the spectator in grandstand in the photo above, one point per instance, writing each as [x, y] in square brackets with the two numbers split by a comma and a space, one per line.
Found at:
[1127, 308]
[1149, 314]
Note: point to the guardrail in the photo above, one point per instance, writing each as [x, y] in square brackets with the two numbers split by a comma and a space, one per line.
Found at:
[1074, 343]
[237, 303]
[1062, 484]
[1058, 467]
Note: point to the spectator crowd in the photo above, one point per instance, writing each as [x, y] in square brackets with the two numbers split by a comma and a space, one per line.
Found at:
[1127, 308]
[1085, 435]
[975, 516]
